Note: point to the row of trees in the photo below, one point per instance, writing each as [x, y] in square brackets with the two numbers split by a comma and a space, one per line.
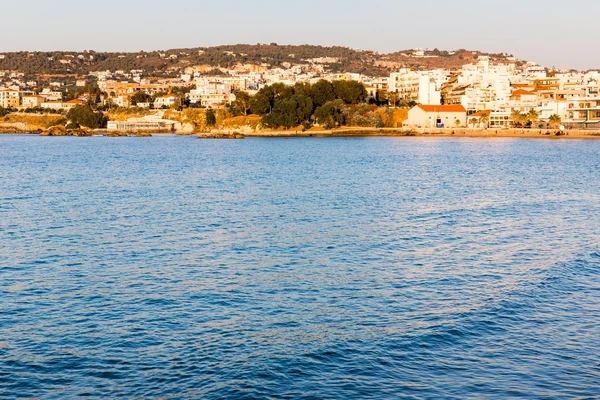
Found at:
[302, 104]
[520, 120]
[530, 118]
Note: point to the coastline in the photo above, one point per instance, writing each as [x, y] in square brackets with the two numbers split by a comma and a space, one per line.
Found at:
[433, 133]
[340, 132]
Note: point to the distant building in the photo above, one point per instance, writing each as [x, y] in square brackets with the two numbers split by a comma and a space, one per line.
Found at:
[166, 101]
[122, 100]
[10, 98]
[420, 87]
[212, 94]
[32, 101]
[149, 123]
[62, 105]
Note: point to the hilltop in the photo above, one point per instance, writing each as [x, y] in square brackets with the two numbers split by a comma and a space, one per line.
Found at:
[261, 56]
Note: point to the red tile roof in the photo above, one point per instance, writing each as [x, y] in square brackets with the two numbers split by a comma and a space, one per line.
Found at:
[522, 92]
[446, 109]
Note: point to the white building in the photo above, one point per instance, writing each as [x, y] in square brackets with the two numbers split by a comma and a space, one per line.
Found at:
[420, 86]
[166, 101]
[149, 123]
[10, 98]
[436, 116]
[211, 93]
[32, 101]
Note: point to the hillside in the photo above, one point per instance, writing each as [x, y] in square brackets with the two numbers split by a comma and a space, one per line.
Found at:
[174, 61]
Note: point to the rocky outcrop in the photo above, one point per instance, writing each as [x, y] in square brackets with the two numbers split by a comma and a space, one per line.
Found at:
[222, 135]
[62, 131]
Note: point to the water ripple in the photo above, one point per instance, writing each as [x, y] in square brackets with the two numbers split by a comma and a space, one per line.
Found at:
[379, 268]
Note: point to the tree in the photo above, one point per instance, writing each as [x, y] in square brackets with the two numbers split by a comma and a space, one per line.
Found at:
[322, 92]
[473, 122]
[393, 98]
[304, 108]
[211, 118]
[532, 117]
[457, 123]
[260, 104]
[330, 115]
[289, 112]
[303, 88]
[85, 116]
[484, 119]
[554, 120]
[241, 104]
[140, 97]
[517, 118]
[350, 92]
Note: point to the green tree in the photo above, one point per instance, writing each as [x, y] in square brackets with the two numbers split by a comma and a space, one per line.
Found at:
[554, 120]
[393, 98]
[516, 117]
[290, 112]
[241, 104]
[260, 104]
[303, 88]
[140, 97]
[304, 108]
[322, 92]
[484, 119]
[211, 118]
[86, 116]
[350, 92]
[532, 117]
[330, 115]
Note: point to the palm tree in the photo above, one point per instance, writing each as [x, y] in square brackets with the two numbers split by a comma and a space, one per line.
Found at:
[484, 119]
[516, 117]
[532, 117]
[457, 123]
[554, 120]
[473, 122]
[393, 98]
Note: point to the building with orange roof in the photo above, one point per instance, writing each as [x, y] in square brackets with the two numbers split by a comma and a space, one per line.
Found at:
[440, 116]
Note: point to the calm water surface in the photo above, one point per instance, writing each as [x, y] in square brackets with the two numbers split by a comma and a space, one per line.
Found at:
[173, 267]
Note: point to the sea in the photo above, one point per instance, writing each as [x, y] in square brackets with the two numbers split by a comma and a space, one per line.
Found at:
[303, 268]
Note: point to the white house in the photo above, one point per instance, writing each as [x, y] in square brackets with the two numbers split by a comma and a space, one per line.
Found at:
[166, 101]
[432, 116]
[212, 94]
[32, 101]
[10, 98]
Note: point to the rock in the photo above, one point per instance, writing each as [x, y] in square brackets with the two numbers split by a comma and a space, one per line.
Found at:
[78, 132]
[186, 129]
[222, 135]
[58, 130]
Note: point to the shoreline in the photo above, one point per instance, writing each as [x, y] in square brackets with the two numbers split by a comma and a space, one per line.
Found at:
[348, 132]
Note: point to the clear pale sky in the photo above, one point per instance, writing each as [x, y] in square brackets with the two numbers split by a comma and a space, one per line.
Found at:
[550, 32]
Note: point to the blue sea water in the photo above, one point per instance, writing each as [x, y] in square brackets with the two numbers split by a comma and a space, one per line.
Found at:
[175, 268]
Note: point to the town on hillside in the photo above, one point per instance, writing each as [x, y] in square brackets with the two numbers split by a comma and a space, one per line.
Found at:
[488, 92]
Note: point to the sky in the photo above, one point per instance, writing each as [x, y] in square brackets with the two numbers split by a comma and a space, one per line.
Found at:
[552, 33]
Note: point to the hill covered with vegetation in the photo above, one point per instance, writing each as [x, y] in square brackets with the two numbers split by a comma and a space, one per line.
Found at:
[334, 59]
